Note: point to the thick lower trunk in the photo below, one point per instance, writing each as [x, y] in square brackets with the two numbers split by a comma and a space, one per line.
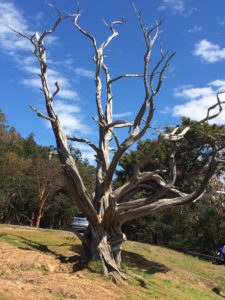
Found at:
[105, 247]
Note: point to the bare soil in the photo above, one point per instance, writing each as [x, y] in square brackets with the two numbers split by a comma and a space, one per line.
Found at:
[30, 274]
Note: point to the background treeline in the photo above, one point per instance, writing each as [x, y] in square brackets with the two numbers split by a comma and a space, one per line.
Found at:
[33, 190]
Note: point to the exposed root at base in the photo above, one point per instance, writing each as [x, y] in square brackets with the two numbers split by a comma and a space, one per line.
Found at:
[117, 279]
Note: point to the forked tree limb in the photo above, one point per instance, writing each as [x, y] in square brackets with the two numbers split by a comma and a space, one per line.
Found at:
[137, 131]
[142, 207]
[40, 114]
[219, 104]
[135, 183]
[86, 141]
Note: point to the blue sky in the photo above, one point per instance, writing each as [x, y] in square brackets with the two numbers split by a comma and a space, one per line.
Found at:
[195, 29]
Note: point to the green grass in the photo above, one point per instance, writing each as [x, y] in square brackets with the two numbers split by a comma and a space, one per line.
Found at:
[152, 272]
[48, 242]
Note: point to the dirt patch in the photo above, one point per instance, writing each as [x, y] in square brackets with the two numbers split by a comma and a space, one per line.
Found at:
[30, 274]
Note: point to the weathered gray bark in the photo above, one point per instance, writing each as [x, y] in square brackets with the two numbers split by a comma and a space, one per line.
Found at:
[109, 208]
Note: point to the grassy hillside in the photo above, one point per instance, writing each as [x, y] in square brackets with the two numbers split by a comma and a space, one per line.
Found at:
[42, 264]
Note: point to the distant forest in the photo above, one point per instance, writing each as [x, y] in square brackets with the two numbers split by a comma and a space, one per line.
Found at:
[34, 192]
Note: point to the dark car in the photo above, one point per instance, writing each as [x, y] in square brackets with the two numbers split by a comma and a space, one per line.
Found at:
[79, 223]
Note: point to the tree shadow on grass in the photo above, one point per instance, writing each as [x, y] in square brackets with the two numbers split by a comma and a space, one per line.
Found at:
[217, 291]
[29, 245]
[138, 261]
[131, 259]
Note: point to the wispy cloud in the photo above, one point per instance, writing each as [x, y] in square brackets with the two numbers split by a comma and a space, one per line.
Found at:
[176, 6]
[209, 52]
[84, 73]
[9, 15]
[166, 110]
[193, 93]
[195, 29]
[221, 21]
[122, 115]
[198, 100]
[61, 106]
[11, 43]
[66, 91]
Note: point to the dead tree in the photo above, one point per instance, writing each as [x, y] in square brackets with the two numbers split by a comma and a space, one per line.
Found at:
[108, 208]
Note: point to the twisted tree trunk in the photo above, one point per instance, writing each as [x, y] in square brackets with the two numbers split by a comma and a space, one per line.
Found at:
[105, 246]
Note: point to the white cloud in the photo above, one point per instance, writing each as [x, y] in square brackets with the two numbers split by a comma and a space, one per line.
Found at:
[219, 83]
[34, 82]
[31, 69]
[69, 123]
[209, 52]
[68, 94]
[84, 72]
[29, 66]
[199, 100]
[176, 6]
[195, 29]
[192, 93]
[11, 16]
[8, 39]
[60, 106]
[121, 115]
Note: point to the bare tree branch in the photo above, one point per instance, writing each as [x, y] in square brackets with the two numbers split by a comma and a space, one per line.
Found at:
[172, 166]
[114, 32]
[125, 76]
[91, 37]
[40, 114]
[137, 131]
[173, 137]
[118, 124]
[86, 141]
[219, 104]
[115, 138]
[142, 206]
[57, 90]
